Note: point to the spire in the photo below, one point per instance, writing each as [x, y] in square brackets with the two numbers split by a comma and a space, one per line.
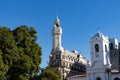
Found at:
[57, 22]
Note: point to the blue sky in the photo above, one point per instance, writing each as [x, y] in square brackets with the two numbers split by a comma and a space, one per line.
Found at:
[79, 19]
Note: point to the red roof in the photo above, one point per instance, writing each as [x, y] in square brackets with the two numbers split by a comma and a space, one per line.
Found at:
[81, 75]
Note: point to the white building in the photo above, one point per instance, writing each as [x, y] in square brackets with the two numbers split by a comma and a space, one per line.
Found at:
[68, 63]
[100, 67]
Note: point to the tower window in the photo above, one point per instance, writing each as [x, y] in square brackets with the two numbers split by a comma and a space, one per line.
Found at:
[105, 48]
[63, 56]
[111, 46]
[57, 24]
[96, 48]
[98, 78]
[116, 79]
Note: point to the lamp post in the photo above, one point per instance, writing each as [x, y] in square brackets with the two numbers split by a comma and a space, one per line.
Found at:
[63, 66]
[108, 70]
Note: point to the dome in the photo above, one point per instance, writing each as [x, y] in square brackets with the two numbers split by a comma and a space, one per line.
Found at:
[59, 48]
[99, 34]
[57, 22]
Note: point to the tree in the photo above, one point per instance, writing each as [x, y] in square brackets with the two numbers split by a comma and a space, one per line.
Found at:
[8, 51]
[3, 68]
[49, 74]
[20, 55]
[35, 77]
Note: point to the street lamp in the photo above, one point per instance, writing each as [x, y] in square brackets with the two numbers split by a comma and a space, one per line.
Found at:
[108, 70]
[63, 66]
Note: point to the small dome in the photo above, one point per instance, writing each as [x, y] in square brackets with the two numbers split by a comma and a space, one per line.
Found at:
[57, 22]
[99, 34]
[59, 48]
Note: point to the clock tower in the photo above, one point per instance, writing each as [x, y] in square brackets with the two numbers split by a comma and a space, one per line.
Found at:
[99, 45]
[100, 62]
[56, 34]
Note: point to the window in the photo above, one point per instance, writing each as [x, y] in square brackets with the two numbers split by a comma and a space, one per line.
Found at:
[116, 79]
[63, 56]
[98, 78]
[96, 48]
[111, 46]
[105, 48]
[57, 24]
[58, 56]
[63, 64]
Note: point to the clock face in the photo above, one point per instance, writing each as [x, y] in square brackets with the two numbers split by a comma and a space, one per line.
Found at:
[57, 37]
[57, 30]
[97, 55]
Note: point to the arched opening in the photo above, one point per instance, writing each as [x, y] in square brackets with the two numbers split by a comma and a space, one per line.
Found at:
[105, 48]
[96, 48]
[116, 78]
[98, 78]
[57, 24]
[111, 46]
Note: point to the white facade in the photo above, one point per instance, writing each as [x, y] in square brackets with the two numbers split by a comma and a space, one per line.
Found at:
[114, 43]
[68, 63]
[99, 57]
[99, 49]
[100, 66]
[57, 33]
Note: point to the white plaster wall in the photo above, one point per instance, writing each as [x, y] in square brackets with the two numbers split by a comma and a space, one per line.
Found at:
[113, 76]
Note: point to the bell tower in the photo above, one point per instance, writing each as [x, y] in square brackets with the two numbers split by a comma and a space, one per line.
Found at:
[99, 45]
[99, 51]
[56, 35]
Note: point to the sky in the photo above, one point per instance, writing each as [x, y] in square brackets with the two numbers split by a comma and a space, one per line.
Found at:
[79, 19]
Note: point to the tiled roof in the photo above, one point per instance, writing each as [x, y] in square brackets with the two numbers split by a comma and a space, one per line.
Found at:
[75, 76]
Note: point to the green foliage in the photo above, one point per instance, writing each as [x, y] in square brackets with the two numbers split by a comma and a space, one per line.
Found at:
[46, 74]
[3, 68]
[35, 77]
[49, 74]
[20, 55]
